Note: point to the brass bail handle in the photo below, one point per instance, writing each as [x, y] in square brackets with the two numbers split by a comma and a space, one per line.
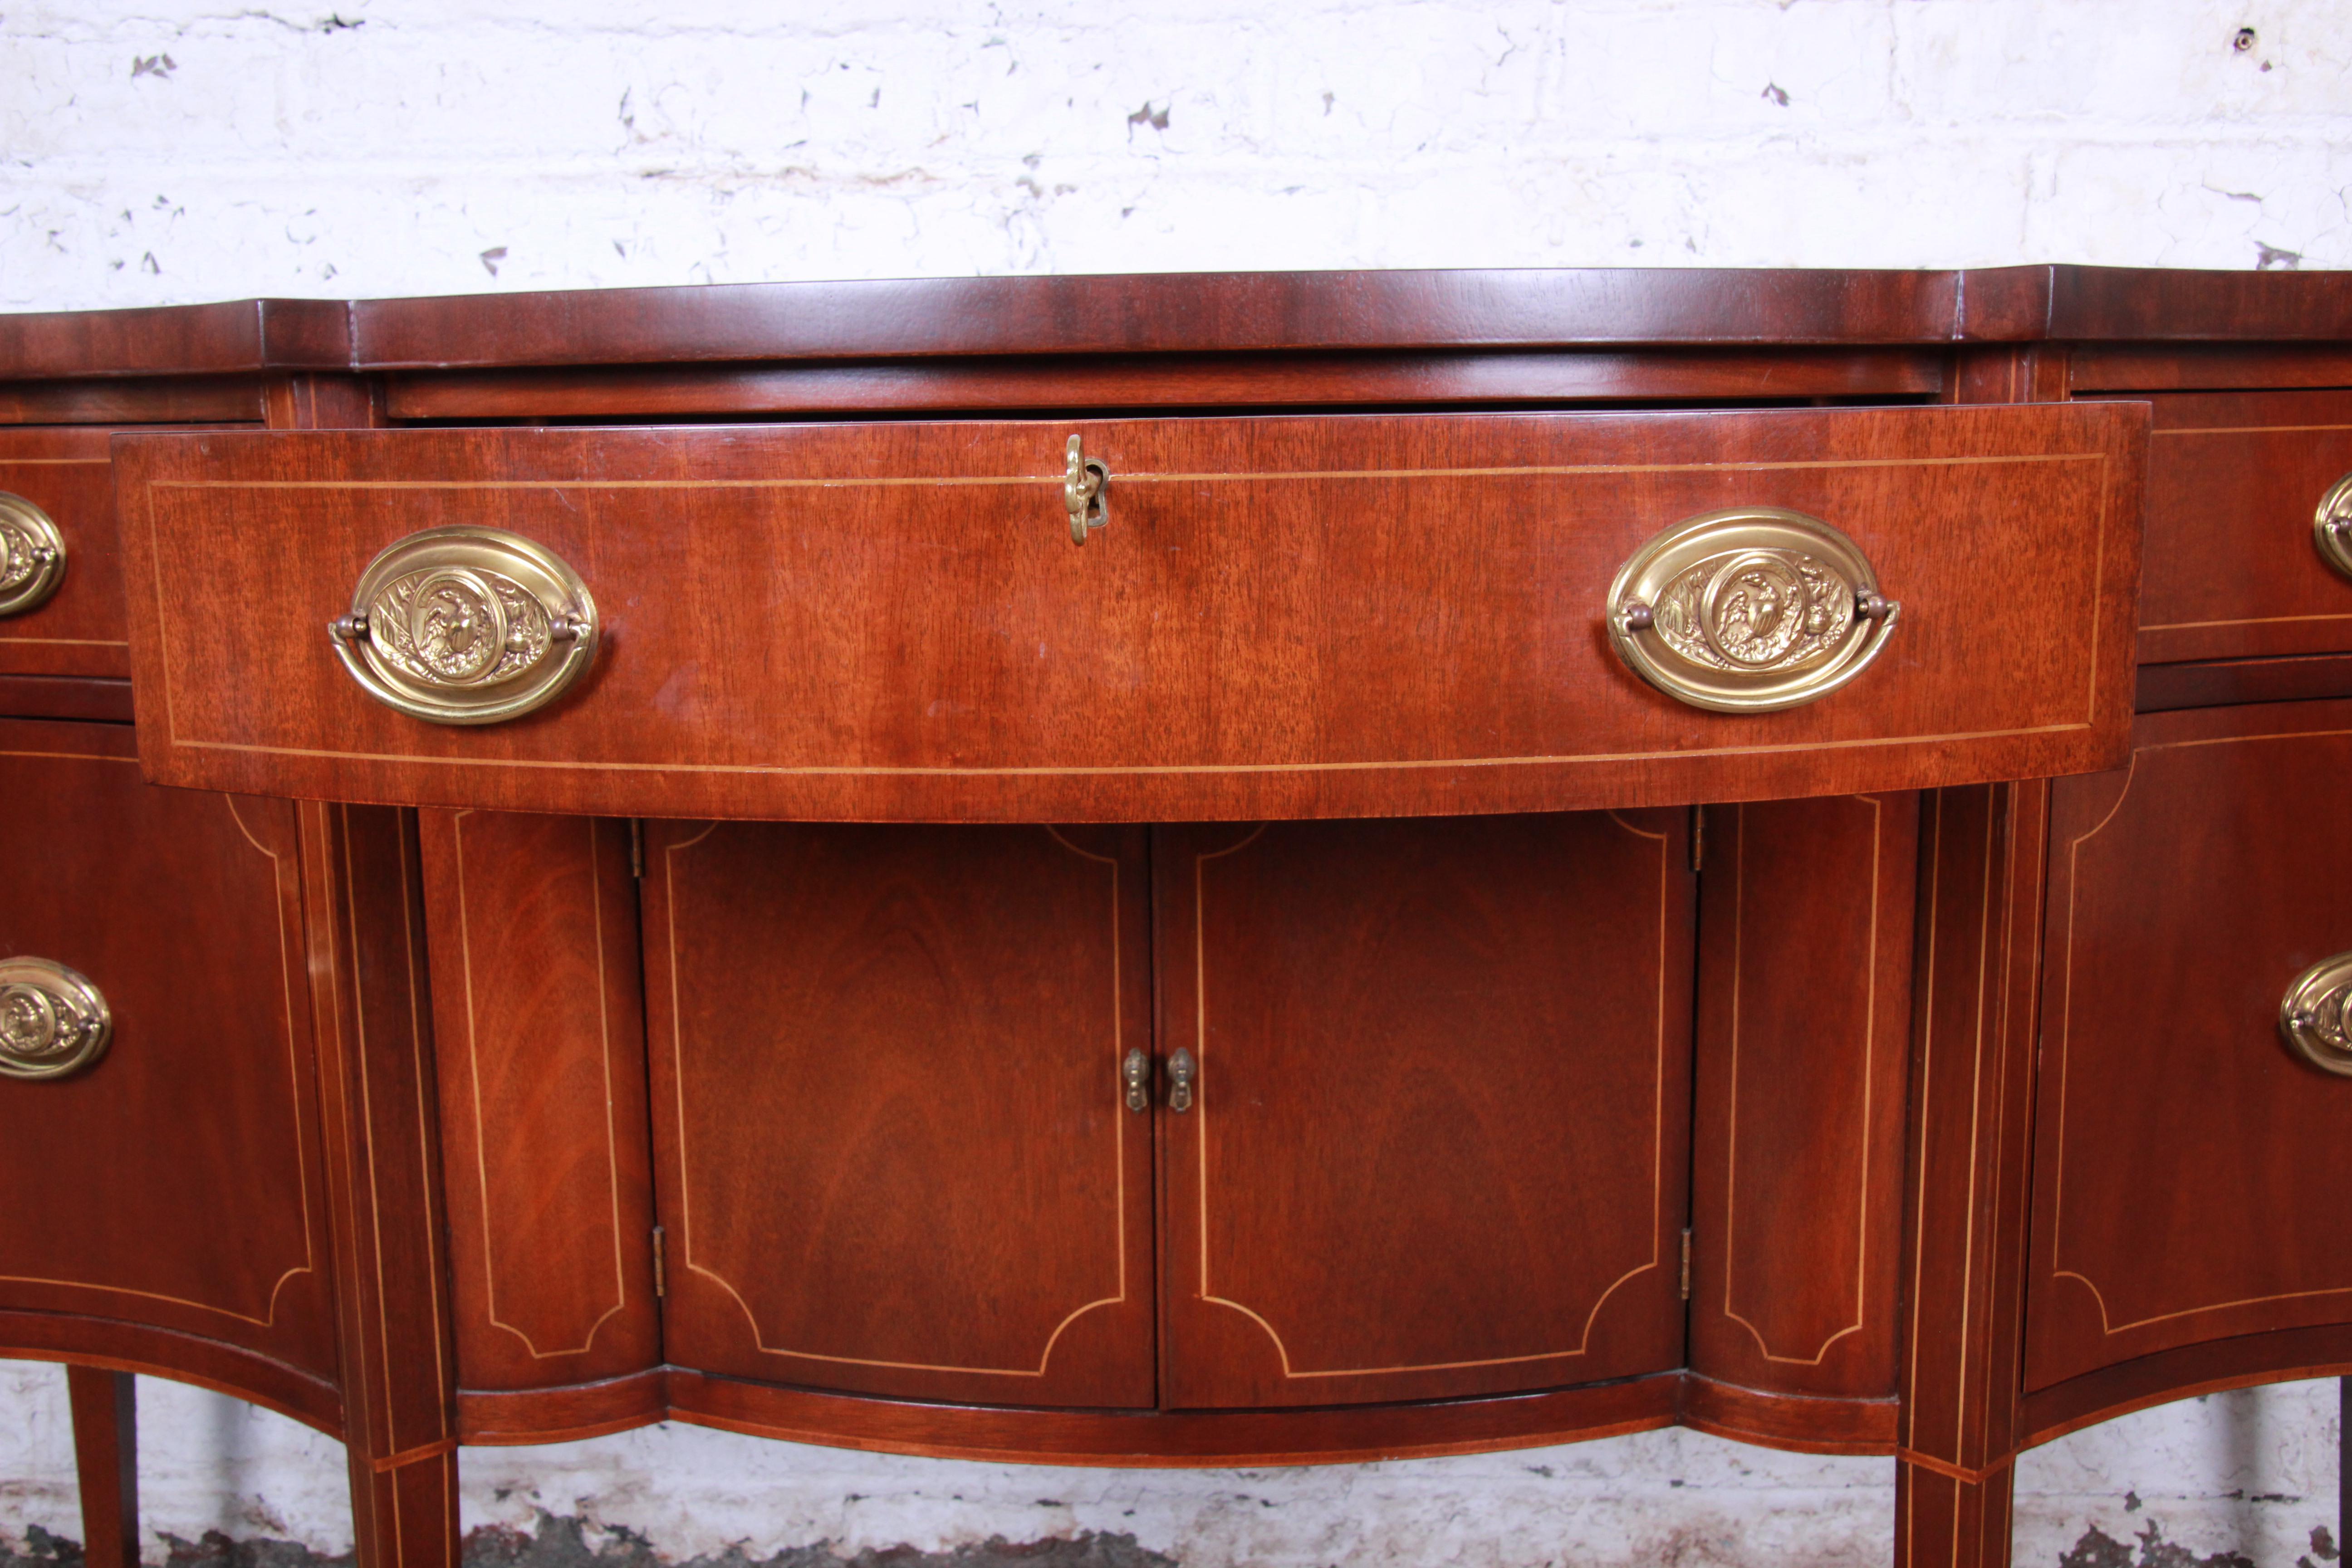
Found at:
[1183, 1074]
[1081, 492]
[2315, 1014]
[53, 1022]
[467, 625]
[1748, 610]
[2331, 526]
[32, 555]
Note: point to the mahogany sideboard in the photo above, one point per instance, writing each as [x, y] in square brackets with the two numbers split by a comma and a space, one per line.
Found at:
[1181, 870]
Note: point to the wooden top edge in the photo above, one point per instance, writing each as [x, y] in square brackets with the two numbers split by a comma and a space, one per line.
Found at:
[1148, 313]
[231, 337]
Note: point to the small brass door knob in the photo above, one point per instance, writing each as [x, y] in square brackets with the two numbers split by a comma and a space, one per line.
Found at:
[467, 625]
[32, 555]
[2315, 1014]
[1747, 610]
[2331, 526]
[53, 1022]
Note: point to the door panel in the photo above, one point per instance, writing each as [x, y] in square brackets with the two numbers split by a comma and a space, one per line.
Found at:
[176, 1182]
[2181, 1148]
[1440, 1145]
[889, 1113]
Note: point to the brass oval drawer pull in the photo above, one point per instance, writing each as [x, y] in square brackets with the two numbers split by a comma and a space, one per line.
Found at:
[53, 1022]
[1747, 610]
[2315, 1014]
[2331, 526]
[467, 625]
[32, 555]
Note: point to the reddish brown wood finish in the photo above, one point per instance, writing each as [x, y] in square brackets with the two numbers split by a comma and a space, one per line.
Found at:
[539, 1020]
[117, 1346]
[2173, 1202]
[2233, 480]
[1157, 312]
[209, 1010]
[1172, 381]
[1974, 978]
[1439, 1147]
[2193, 367]
[2013, 304]
[106, 1458]
[2288, 678]
[245, 335]
[79, 630]
[1328, 616]
[367, 947]
[1177, 1438]
[209, 402]
[1804, 1012]
[888, 1107]
[1797, 1422]
[64, 697]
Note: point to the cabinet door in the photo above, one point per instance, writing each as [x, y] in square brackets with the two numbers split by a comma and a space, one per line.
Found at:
[1439, 1145]
[175, 1183]
[2181, 1148]
[892, 1140]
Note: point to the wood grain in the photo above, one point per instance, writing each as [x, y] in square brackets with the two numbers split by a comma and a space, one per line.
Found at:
[1440, 1143]
[1215, 382]
[539, 1023]
[1805, 1010]
[247, 335]
[888, 1107]
[2233, 480]
[2187, 893]
[1326, 617]
[80, 629]
[105, 1407]
[208, 1011]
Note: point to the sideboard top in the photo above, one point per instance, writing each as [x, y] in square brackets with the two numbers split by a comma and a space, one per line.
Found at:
[1157, 313]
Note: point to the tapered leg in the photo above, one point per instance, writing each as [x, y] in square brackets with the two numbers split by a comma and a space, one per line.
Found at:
[364, 900]
[106, 1456]
[1980, 881]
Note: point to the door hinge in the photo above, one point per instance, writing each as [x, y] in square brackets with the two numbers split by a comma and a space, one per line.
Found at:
[637, 847]
[1698, 838]
[661, 1264]
[1685, 1263]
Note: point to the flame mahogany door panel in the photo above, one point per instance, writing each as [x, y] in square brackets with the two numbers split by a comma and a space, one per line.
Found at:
[1441, 1141]
[892, 1147]
[176, 1183]
[2182, 1151]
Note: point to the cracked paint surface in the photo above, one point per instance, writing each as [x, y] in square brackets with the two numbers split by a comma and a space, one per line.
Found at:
[168, 152]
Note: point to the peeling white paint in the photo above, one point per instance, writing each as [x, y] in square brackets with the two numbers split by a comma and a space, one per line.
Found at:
[164, 151]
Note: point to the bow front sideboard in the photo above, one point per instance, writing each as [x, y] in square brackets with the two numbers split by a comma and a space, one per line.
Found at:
[1181, 870]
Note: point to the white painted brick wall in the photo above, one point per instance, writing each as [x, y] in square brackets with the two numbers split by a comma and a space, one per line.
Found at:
[166, 152]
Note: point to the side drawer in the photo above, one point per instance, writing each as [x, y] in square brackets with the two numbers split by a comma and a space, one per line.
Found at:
[2177, 1200]
[77, 629]
[174, 1181]
[1311, 616]
[2234, 481]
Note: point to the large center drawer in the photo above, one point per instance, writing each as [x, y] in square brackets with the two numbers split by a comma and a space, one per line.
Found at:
[1293, 616]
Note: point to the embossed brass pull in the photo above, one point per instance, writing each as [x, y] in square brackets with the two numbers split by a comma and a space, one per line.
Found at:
[2331, 526]
[53, 1022]
[467, 625]
[1081, 492]
[1136, 1073]
[2315, 1014]
[32, 555]
[1748, 610]
[1184, 1072]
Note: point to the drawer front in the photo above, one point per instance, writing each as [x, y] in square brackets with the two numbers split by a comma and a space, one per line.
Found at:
[1288, 617]
[78, 629]
[2181, 1193]
[2234, 479]
[176, 1181]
